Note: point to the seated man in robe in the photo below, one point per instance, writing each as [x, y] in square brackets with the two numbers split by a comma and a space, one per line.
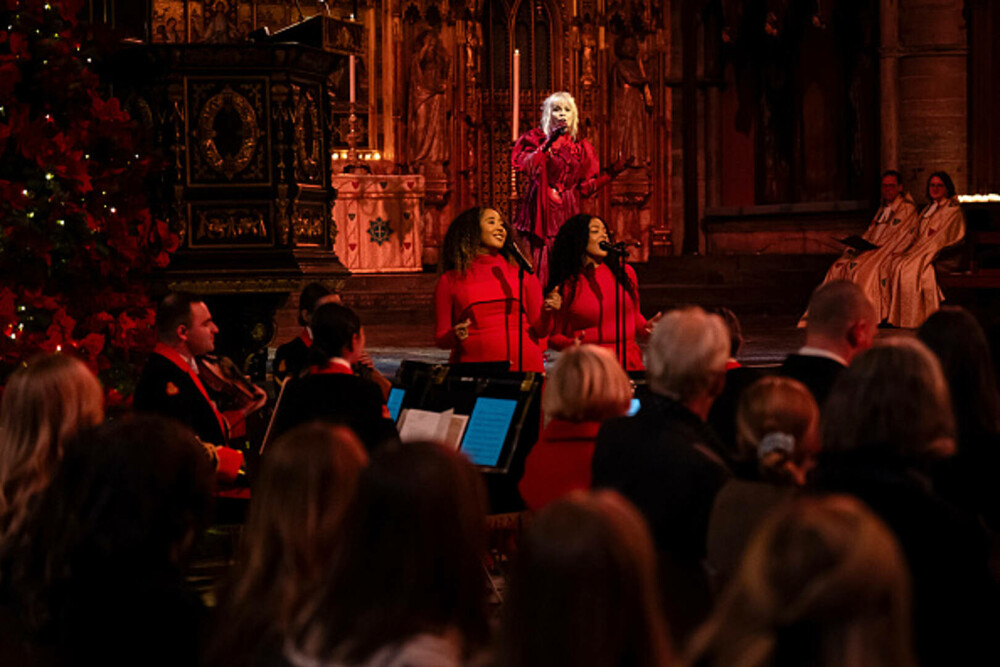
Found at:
[892, 230]
[908, 282]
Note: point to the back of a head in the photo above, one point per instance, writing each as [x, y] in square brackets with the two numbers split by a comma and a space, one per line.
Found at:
[894, 399]
[586, 384]
[128, 499]
[584, 589]
[173, 311]
[956, 337]
[835, 306]
[687, 351]
[45, 403]
[735, 328]
[409, 557]
[777, 420]
[310, 296]
[308, 479]
[334, 327]
[823, 582]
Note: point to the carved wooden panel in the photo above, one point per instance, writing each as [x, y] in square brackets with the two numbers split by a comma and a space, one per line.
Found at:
[223, 224]
[307, 134]
[228, 141]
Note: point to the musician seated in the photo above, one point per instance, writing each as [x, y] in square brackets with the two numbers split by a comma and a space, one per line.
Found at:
[290, 359]
[329, 390]
[170, 384]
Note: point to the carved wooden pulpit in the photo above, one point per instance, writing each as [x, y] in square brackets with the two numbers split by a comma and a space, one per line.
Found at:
[245, 131]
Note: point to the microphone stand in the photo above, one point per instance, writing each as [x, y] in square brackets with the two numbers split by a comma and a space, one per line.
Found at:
[520, 323]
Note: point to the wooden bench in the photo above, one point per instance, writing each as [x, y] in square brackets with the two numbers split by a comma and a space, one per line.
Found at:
[975, 264]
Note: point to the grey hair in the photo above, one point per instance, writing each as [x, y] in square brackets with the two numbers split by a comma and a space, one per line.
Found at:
[687, 350]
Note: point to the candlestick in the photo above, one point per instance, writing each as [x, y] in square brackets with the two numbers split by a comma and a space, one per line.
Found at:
[353, 79]
[516, 90]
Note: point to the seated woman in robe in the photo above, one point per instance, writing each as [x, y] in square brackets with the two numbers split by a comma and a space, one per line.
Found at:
[908, 282]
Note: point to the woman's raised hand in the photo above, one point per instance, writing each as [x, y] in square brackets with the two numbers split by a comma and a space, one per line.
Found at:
[462, 329]
[553, 300]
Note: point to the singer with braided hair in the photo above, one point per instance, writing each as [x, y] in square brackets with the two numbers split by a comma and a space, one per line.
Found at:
[582, 286]
[484, 311]
[562, 169]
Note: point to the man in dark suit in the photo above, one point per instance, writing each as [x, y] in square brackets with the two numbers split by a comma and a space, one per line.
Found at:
[841, 325]
[170, 384]
[668, 461]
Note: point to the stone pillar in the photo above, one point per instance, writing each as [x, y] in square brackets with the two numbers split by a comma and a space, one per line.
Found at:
[889, 76]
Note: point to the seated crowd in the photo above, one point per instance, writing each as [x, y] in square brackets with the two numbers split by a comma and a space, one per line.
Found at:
[839, 510]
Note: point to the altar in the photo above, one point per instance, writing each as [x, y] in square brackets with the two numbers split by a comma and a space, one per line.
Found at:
[376, 222]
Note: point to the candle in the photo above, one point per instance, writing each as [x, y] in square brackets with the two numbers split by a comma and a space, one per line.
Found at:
[353, 81]
[516, 89]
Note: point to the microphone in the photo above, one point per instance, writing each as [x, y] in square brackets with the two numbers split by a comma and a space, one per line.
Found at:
[620, 248]
[556, 133]
[521, 258]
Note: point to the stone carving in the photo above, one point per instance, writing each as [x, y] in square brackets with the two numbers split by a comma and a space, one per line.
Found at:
[427, 117]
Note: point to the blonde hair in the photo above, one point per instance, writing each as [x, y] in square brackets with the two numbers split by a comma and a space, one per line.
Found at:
[778, 408]
[586, 384]
[573, 125]
[823, 582]
[44, 404]
[689, 348]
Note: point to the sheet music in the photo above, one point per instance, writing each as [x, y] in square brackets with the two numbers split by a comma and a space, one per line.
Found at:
[421, 425]
[487, 431]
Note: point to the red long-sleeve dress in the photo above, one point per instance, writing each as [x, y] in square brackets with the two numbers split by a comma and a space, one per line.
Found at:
[588, 312]
[487, 294]
[559, 179]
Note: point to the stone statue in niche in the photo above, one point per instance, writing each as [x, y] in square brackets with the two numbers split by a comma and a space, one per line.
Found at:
[588, 76]
[633, 104]
[427, 115]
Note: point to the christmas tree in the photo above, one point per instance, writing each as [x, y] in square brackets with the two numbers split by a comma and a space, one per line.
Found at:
[78, 239]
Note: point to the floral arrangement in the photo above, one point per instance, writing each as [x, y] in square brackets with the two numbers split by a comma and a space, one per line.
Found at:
[78, 240]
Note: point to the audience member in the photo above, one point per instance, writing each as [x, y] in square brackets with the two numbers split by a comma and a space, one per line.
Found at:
[722, 416]
[586, 386]
[291, 358]
[892, 231]
[823, 583]
[307, 480]
[888, 419]
[328, 389]
[45, 403]
[407, 585]
[969, 479]
[584, 589]
[778, 425]
[667, 460]
[93, 577]
[170, 384]
[841, 324]
[909, 281]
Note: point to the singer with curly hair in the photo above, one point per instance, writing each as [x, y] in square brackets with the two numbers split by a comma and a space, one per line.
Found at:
[563, 169]
[484, 311]
[582, 286]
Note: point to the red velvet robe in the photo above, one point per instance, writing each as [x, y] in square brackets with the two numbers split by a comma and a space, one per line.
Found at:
[559, 179]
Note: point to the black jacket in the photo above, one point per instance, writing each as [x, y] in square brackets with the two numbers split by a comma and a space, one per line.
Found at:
[337, 398]
[165, 389]
[816, 373]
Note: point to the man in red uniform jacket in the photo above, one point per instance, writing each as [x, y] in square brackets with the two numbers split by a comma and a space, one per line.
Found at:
[170, 386]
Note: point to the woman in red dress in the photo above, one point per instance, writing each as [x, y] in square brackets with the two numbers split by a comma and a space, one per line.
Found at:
[586, 387]
[583, 286]
[483, 312]
[562, 170]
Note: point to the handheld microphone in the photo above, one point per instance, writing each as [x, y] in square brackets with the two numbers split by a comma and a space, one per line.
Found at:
[556, 133]
[520, 258]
